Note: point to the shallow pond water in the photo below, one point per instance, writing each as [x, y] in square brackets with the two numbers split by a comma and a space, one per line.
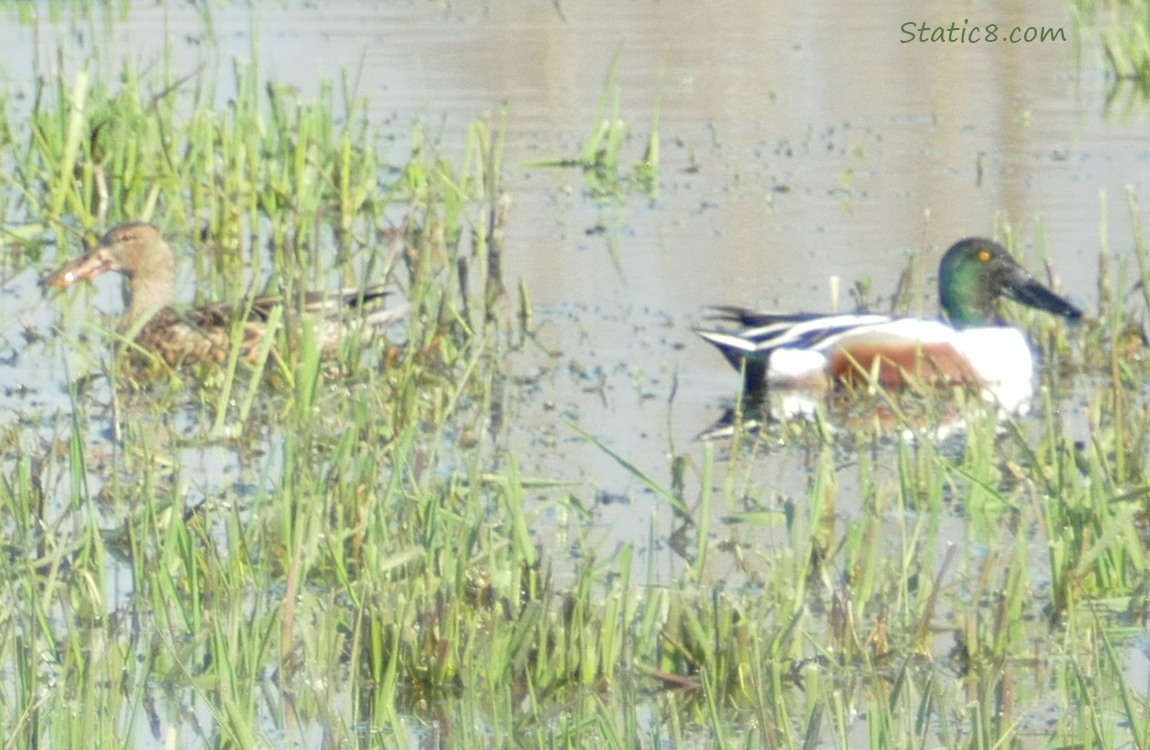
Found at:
[797, 143]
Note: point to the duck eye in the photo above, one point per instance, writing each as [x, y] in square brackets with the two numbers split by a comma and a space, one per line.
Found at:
[984, 255]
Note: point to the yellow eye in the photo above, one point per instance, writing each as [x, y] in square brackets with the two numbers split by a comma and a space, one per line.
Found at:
[984, 255]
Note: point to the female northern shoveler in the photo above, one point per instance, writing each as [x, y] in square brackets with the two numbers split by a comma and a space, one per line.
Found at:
[181, 335]
[811, 351]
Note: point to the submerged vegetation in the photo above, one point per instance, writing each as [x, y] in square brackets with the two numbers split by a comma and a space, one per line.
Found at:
[361, 567]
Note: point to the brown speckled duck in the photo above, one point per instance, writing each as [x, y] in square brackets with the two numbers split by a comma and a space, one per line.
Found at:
[183, 335]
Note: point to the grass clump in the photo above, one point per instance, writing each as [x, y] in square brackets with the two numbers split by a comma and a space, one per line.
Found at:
[602, 156]
[1127, 47]
[1125, 39]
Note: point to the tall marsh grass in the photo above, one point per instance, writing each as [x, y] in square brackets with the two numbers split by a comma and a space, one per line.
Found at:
[365, 571]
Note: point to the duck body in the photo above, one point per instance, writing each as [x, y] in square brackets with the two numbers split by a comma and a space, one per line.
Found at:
[971, 347]
[181, 335]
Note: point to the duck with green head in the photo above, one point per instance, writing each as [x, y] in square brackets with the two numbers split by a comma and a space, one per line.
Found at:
[972, 346]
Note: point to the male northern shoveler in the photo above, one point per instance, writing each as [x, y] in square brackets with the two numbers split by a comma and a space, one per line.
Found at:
[181, 335]
[811, 351]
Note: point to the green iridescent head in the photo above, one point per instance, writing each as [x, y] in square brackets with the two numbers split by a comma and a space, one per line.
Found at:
[975, 272]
